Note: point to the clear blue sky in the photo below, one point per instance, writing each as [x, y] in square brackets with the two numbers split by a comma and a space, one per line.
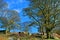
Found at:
[18, 5]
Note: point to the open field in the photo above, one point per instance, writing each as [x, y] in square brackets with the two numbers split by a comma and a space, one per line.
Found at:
[4, 37]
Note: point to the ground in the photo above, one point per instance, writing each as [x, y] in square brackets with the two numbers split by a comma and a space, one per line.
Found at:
[4, 37]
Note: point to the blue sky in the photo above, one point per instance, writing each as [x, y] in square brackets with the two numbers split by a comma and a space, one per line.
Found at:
[18, 5]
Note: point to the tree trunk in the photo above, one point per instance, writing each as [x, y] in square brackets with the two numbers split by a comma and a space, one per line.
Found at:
[48, 34]
[7, 30]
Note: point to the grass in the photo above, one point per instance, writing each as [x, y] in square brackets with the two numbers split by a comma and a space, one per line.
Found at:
[4, 37]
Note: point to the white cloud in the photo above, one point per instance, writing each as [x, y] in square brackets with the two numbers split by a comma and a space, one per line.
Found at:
[18, 10]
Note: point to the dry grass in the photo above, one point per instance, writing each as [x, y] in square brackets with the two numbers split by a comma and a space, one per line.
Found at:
[4, 37]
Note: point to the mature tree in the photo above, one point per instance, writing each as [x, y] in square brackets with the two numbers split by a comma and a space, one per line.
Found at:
[8, 18]
[45, 13]
[12, 19]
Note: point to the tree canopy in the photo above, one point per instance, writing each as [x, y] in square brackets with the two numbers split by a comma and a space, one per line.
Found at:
[45, 13]
[8, 18]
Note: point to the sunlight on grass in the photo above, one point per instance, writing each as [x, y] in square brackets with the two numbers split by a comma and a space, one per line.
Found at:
[4, 37]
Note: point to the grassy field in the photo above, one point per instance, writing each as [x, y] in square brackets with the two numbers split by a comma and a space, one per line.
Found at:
[4, 37]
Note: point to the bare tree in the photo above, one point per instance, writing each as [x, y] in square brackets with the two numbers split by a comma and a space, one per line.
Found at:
[9, 18]
[45, 13]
